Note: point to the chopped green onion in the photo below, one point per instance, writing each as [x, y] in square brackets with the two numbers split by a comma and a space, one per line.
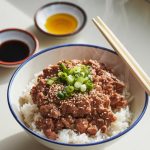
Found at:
[77, 75]
[66, 94]
[62, 75]
[69, 89]
[61, 95]
[63, 67]
[90, 77]
[82, 74]
[89, 86]
[86, 69]
[83, 88]
[80, 79]
[54, 78]
[70, 79]
[76, 79]
[86, 79]
[77, 85]
[70, 71]
[83, 79]
[77, 69]
[50, 81]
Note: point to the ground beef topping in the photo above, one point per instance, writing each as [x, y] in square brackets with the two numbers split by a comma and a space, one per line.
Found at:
[77, 95]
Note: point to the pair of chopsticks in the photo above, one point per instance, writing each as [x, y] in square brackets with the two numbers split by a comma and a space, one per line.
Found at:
[137, 71]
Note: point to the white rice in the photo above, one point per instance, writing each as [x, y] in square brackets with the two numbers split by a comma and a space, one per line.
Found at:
[30, 114]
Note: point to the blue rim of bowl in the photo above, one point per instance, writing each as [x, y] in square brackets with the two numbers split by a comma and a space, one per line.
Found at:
[61, 143]
[64, 3]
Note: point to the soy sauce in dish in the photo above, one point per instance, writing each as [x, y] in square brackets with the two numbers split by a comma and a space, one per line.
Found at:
[13, 50]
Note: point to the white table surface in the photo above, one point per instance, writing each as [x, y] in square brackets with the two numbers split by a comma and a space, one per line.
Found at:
[128, 19]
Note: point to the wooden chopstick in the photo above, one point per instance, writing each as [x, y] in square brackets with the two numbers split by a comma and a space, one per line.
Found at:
[137, 71]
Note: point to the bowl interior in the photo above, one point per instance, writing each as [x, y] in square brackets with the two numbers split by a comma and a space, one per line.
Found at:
[56, 8]
[41, 60]
[18, 35]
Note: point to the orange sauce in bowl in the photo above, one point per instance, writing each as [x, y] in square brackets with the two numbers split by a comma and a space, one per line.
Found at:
[61, 23]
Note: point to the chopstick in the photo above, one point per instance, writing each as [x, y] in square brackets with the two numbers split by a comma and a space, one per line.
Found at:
[134, 67]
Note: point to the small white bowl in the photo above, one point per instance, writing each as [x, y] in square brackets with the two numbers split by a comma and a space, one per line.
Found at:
[36, 63]
[20, 35]
[56, 8]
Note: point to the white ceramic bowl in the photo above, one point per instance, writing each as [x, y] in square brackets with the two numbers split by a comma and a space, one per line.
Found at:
[36, 63]
[20, 35]
[60, 7]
